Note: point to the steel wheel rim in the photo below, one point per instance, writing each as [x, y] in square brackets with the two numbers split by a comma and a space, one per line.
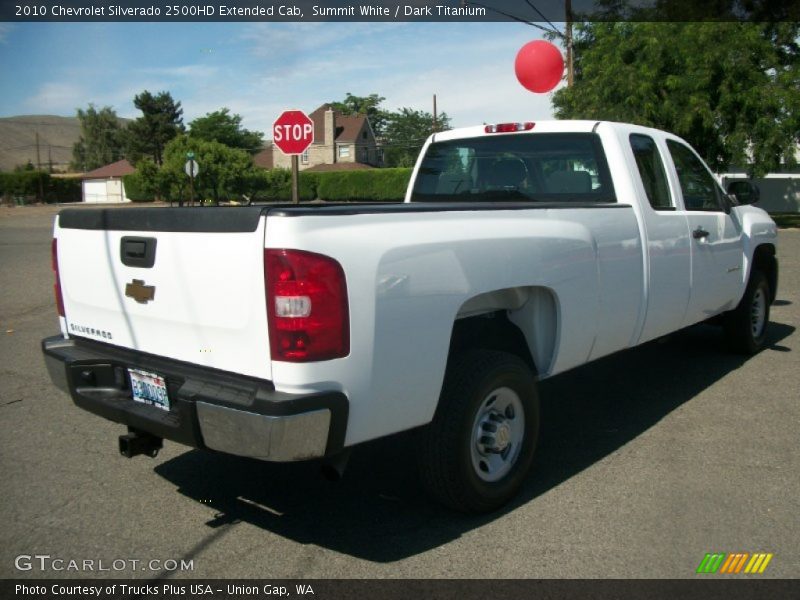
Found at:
[758, 313]
[498, 432]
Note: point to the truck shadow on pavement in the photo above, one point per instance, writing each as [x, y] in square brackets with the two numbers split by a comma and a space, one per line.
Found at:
[379, 512]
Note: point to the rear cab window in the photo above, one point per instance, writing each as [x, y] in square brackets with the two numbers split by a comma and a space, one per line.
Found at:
[536, 167]
[651, 171]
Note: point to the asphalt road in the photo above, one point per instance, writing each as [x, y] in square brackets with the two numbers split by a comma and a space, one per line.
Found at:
[648, 460]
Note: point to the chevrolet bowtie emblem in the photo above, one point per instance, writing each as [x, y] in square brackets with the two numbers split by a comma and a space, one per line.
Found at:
[140, 292]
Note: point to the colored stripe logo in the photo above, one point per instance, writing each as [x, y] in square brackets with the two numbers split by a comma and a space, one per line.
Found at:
[734, 563]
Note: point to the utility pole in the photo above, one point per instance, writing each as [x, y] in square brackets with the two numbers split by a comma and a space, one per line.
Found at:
[435, 123]
[568, 42]
[295, 179]
[39, 169]
[50, 159]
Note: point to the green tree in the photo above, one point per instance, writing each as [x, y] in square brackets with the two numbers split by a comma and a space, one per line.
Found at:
[161, 121]
[730, 89]
[406, 131]
[365, 105]
[147, 183]
[225, 128]
[224, 173]
[101, 140]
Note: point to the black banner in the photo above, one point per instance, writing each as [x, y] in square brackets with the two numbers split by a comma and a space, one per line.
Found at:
[401, 589]
[540, 11]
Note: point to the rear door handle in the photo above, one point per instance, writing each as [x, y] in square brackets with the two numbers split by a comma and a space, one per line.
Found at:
[699, 233]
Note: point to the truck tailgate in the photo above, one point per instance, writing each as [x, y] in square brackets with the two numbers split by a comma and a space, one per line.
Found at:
[201, 301]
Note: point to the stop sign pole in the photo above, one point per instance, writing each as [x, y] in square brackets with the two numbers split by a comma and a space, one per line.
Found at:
[293, 133]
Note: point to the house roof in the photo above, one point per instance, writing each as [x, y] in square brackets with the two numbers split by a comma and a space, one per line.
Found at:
[347, 126]
[264, 158]
[116, 169]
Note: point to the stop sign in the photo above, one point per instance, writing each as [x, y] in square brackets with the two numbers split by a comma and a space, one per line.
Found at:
[293, 132]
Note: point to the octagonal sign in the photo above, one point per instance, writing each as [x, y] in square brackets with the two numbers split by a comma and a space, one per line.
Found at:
[293, 132]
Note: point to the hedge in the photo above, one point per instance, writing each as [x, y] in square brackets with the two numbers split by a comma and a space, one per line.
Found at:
[388, 185]
[62, 189]
[275, 185]
[26, 184]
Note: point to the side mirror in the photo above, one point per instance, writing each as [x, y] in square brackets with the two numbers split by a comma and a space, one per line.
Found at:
[745, 192]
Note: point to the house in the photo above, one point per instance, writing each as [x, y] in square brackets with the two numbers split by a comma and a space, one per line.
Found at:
[340, 142]
[104, 185]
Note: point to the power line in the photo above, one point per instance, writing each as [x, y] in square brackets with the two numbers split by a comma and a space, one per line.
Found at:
[33, 146]
[566, 36]
[533, 6]
[514, 17]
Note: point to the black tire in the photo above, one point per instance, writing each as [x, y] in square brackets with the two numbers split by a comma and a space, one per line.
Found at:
[455, 463]
[746, 326]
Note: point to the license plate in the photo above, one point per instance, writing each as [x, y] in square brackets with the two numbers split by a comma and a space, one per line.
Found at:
[149, 388]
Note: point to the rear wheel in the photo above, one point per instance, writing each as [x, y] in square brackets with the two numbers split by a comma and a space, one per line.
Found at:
[476, 453]
[746, 325]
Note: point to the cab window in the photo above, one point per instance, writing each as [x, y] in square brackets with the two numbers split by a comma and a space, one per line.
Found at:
[537, 167]
[700, 189]
[651, 171]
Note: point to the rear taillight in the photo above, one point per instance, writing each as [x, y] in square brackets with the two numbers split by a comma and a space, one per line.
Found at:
[508, 127]
[57, 284]
[307, 310]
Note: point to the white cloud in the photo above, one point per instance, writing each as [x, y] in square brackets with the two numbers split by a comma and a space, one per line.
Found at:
[58, 98]
[5, 29]
[266, 67]
[469, 68]
[197, 72]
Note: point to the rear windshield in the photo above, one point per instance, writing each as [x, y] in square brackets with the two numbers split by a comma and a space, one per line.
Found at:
[538, 167]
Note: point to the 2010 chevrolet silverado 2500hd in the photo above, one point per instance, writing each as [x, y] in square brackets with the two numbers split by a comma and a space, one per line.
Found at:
[290, 332]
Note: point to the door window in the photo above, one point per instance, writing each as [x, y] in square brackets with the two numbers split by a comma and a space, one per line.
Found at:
[700, 189]
[651, 171]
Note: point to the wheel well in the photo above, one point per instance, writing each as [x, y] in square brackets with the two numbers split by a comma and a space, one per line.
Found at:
[764, 260]
[490, 331]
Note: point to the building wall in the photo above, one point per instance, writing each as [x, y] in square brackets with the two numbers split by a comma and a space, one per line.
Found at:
[318, 154]
[104, 191]
[779, 193]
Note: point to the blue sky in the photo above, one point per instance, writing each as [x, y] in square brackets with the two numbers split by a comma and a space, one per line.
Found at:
[259, 69]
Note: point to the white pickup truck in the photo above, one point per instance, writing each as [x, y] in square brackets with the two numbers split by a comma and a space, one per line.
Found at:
[292, 332]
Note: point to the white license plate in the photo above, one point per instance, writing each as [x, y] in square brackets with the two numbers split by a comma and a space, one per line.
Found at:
[149, 388]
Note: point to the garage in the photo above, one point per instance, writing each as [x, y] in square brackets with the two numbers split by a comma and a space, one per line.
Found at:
[105, 185]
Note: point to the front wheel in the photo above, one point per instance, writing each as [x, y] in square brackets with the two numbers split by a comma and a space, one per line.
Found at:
[479, 447]
[746, 325]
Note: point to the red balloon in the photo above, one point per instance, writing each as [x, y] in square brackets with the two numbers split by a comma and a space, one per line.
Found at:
[539, 66]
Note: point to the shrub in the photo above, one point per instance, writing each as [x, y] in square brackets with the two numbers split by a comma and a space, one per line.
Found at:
[275, 185]
[375, 185]
[63, 189]
[25, 184]
[136, 189]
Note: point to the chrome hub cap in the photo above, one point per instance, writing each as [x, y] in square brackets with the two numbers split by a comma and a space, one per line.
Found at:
[497, 434]
[758, 311]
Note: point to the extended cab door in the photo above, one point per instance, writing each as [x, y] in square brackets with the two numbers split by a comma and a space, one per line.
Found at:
[667, 240]
[716, 244]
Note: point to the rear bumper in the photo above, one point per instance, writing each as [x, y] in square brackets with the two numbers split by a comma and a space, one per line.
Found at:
[209, 409]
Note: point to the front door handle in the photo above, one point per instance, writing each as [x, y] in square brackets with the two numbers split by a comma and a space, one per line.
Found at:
[699, 233]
